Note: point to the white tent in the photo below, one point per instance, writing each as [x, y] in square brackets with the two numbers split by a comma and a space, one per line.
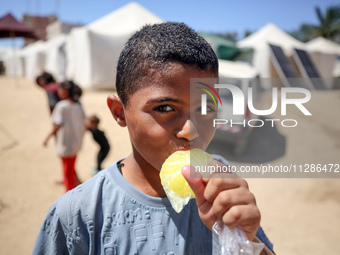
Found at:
[231, 69]
[4, 51]
[14, 62]
[323, 45]
[92, 51]
[37, 57]
[55, 57]
[259, 42]
[326, 54]
[34, 59]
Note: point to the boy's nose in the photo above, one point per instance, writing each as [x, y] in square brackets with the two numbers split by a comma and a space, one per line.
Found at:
[188, 131]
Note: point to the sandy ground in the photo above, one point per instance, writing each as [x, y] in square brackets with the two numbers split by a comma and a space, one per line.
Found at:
[300, 215]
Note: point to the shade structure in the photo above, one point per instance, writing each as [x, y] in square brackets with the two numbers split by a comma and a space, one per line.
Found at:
[323, 45]
[225, 49]
[11, 27]
[260, 40]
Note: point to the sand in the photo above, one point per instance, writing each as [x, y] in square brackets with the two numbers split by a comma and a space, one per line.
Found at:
[300, 216]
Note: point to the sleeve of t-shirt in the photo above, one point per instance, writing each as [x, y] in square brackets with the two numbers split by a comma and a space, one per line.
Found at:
[83, 113]
[51, 238]
[54, 238]
[57, 114]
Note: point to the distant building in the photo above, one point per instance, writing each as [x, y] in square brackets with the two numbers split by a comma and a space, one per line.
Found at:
[58, 27]
[38, 24]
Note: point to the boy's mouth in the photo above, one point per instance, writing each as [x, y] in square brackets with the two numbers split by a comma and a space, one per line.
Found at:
[188, 147]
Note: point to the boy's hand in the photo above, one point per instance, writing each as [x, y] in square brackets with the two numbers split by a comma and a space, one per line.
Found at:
[45, 143]
[225, 196]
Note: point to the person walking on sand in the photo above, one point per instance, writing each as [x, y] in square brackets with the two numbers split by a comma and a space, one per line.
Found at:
[99, 136]
[68, 126]
[48, 83]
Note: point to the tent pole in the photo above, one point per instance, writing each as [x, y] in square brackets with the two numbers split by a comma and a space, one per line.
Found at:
[14, 54]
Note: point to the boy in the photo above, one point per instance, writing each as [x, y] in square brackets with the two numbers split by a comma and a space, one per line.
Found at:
[99, 136]
[124, 209]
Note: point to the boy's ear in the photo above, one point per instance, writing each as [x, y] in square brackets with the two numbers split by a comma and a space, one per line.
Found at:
[117, 110]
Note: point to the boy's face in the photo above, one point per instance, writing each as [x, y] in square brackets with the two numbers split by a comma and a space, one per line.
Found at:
[161, 119]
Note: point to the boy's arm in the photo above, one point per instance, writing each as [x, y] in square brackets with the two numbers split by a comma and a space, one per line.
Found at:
[224, 196]
[54, 132]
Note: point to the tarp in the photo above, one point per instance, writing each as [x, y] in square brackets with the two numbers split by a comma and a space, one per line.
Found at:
[259, 42]
[326, 55]
[11, 27]
[224, 49]
[93, 50]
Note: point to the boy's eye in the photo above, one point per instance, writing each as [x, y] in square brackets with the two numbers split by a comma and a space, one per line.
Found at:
[164, 108]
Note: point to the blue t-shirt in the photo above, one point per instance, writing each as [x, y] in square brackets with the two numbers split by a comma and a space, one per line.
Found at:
[107, 215]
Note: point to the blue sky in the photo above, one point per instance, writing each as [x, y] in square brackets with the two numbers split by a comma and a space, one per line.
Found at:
[212, 16]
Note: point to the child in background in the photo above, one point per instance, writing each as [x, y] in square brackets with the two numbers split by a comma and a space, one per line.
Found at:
[68, 126]
[99, 136]
[47, 82]
[124, 208]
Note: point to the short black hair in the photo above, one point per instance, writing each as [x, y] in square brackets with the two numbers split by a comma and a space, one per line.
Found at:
[47, 77]
[74, 91]
[153, 47]
[94, 119]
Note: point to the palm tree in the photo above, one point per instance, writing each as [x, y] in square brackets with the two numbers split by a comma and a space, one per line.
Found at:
[328, 27]
[329, 22]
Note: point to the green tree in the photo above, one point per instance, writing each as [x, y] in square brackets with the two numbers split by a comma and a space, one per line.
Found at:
[232, 36]
[328, 27]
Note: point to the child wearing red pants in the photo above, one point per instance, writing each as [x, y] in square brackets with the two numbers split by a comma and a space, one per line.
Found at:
[68, 126]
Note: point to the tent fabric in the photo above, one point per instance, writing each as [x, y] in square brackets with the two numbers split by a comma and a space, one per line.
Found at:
[225, 49]
[55, 62]
[92, 58]
[34, 59]
[231, 69]
[325, 55]
[323, 45]
[77, 49]
[259, 42]
[37, 57]
[14, 63]
[93, 50]
[125, 20]
[11, 27]
[4, 51]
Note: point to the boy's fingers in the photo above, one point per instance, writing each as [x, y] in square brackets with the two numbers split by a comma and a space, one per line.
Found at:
[197, 185]
[246, 216]
[195, 181]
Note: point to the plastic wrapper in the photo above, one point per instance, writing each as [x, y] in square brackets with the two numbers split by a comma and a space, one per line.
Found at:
[233, 241]
[175, 186]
